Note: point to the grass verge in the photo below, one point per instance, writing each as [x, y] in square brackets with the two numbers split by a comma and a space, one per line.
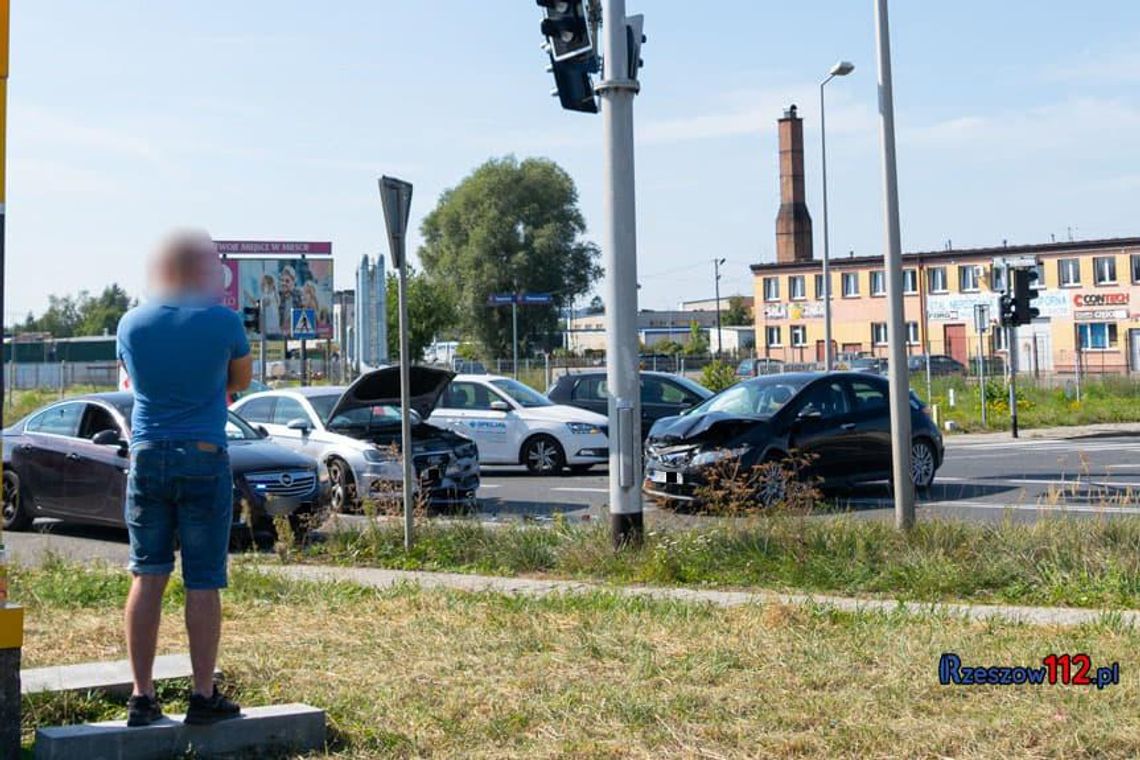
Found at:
[1080, 563]
[410, 673]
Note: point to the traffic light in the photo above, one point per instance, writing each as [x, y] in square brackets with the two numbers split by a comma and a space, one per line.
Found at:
[1005, 306]
[251, 318]
[573, 60]
[1023, 296]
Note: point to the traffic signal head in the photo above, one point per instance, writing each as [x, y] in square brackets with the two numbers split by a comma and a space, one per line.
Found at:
[1005, 306]
[1023, 296]
[567, 28]
[574, 83]
[251, 318]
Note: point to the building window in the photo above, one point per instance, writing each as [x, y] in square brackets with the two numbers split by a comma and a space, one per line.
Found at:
[910, 281]
[1104, 270]
[878, 282]
[771, 289]
[797, 288]
[819, 287]
[912, 333]
[799, 335]
[968, 278]
[772, 337]
[1135, 268]
[1069, 272]
[936, 280]
[997, 279]
[850, 284]
[878, 333]
[1097, 336]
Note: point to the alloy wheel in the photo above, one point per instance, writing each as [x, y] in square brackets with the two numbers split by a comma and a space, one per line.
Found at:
[921, 464]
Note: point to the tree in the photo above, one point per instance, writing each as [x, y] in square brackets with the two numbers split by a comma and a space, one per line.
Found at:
[596, 306]
[510, 226]
[698, 344]
[68, 316]
[737, 312]
[431, 310]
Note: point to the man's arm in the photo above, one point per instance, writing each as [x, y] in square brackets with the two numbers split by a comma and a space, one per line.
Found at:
[240, 374]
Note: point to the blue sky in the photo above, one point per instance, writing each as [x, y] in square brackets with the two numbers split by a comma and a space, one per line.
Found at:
[272, 120]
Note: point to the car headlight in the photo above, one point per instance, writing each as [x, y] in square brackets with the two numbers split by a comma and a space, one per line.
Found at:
[585, 428]
[706, 458]
[376, 455]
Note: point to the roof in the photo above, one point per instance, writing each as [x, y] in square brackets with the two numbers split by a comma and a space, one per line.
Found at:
[960, 253]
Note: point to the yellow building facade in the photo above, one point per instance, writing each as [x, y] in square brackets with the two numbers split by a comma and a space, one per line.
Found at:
[1088, 298]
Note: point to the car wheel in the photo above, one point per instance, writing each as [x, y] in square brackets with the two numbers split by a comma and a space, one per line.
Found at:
[16, 503]
[543, 455]
[773, 489]
[342, 489]
[922, 464]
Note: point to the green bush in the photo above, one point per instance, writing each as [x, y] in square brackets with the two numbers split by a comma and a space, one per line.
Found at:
[717, 375]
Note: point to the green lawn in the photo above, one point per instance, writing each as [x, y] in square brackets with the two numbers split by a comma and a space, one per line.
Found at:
[408, 673]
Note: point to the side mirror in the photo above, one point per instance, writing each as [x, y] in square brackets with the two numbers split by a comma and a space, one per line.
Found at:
[107, 438]
[414, 417]
[808, 413]
[262, 431]
[500, 406]
[299, 424]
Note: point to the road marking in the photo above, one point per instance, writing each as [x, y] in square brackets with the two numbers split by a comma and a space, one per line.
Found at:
[969, 504]
[490, 485]
[583, 490]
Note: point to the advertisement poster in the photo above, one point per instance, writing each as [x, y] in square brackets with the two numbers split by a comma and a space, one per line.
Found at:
[281, 285]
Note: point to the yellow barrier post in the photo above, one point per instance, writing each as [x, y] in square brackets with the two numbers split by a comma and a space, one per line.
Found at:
[11, 615]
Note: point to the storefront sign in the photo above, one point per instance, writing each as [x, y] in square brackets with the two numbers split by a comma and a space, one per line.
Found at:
[807, 310]
[1100, 315]
[1100, 299]
[776, 311]
[960, 308]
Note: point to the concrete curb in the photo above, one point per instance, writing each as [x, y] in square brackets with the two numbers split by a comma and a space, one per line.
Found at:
[380, 578]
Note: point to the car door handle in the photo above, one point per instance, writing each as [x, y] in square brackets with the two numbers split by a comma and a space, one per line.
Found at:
[847, 426]
[73, 456]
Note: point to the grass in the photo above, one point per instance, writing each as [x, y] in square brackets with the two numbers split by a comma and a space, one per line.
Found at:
[1080, 563]
[1107, 399]
[410, 673]
[22, 403]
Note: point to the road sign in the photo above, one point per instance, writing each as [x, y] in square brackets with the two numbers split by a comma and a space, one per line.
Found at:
[535, 299]
[501, 299]
[396, 197]
[981, 317]
[304, 324]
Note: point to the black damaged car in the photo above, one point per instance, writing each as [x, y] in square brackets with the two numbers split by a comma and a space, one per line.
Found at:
[837, 423]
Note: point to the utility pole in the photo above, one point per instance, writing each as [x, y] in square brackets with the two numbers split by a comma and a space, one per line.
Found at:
[261, 341]
[841, 69]
[619, 260]
[1011, 344]
[515, 333]
[896, 327]
[717, 263]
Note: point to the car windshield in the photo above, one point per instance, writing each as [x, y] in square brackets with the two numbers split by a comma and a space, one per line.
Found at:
[238, 429]
[523, 395]
[360, 419]
[761, 397]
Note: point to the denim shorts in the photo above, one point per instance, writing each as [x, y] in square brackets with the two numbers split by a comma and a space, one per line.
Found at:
[177, 489]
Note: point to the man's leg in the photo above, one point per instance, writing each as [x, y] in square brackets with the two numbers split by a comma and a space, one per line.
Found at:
[204, 626]
[143, 613]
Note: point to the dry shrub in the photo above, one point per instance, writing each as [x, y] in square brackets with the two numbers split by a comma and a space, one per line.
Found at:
[783, 486]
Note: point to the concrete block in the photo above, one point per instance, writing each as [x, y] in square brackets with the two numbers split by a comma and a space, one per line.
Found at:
[113, 677]
[270, 729]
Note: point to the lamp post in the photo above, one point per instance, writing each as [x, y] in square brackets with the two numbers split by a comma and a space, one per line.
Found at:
[717, 264]
[840, 69]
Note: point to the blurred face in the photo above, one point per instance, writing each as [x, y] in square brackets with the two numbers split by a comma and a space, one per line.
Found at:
[287, 282]
[187, 264]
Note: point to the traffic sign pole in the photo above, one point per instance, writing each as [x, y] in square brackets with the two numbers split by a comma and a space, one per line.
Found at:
[396, 197]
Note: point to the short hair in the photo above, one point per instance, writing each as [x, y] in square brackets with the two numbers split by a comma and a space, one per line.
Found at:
[182, 252]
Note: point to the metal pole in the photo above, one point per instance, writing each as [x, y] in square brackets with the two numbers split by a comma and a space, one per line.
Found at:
[619, 261]
[982, 373]
[304, 362]
[716, 278]
[828, 354]
[515, 336]
[1011, 337]
[405, 401]
[896, 327]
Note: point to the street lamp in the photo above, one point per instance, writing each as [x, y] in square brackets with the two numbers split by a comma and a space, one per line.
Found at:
[717, 264]
[840, 69]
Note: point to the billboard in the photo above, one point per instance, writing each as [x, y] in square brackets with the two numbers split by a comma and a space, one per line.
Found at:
[283, 283]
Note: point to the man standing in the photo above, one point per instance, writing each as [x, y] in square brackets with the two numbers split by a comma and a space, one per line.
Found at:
[183, 352]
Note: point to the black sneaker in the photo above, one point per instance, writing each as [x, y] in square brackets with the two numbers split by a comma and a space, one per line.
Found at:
[142, 710]
[206, 710]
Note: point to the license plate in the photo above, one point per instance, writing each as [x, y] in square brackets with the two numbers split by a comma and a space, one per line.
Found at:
[657, 476]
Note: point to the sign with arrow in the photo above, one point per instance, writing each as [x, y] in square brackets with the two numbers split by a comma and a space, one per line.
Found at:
[396, 197]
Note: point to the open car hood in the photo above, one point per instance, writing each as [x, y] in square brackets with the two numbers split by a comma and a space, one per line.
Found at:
[381, 387]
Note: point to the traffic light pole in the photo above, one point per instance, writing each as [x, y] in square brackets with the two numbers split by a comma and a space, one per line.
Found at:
[619, 261]
[261, 341]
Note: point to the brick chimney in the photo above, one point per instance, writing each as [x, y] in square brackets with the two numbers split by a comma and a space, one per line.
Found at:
[793, 223]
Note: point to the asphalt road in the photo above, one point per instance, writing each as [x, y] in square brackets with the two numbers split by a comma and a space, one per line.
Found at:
[982, 479]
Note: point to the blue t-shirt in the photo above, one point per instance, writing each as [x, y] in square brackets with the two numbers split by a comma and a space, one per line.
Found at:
[177, 355]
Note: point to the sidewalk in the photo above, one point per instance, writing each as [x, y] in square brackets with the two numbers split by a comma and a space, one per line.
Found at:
[1102, 429]
[380, 578]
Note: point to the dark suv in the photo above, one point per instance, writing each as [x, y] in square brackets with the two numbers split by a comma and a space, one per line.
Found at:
[662, 394]
[940, 364]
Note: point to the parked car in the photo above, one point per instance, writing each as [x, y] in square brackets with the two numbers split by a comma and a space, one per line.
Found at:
[662, 394]
[355, 434]
[756, 367]
[69, 460]
[872, 364]
[468, 367]
[514, 424]
[940, 364]
[839, 421]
